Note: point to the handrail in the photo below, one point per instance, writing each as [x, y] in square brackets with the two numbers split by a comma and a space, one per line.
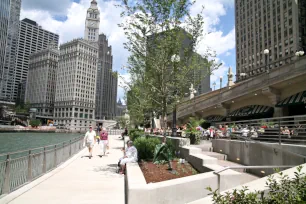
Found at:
[246, 167]
[34, 164]
[252, 167]
[283, 150]
[263, 119]
[36, 148]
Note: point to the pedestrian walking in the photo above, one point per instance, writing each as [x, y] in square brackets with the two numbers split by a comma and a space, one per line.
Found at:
[89, 140]
[104, 143]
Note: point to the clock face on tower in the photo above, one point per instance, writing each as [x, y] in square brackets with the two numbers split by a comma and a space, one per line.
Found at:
[92, 23]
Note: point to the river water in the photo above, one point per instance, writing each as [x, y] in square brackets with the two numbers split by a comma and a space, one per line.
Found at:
[11, 142]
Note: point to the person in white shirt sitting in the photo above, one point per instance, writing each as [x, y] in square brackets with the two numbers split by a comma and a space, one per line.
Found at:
[89, 140]
[129, 157]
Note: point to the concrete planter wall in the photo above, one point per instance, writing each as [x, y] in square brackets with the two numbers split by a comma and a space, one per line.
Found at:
[181, 190]
[255, 154]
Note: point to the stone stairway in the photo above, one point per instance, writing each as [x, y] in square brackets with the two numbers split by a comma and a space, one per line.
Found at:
[206, 147]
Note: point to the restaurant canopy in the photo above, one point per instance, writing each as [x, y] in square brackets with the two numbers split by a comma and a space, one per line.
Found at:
[214, 118]
[296, 99]
[251, 111]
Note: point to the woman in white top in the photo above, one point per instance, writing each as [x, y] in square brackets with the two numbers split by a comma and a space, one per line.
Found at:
[89, 140]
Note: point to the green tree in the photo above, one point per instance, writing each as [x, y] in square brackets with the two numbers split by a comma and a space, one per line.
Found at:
[162, 39]
[34, 123]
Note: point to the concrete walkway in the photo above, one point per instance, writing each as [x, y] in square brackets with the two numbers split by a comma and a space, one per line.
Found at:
[82, 181]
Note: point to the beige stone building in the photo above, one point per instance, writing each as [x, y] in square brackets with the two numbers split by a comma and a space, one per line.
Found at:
[76, 85]
[41, 82]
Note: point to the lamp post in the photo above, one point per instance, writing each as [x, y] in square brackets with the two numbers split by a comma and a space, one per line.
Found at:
[221, 77]
[214, 84]
[266, 53]
[174, 59]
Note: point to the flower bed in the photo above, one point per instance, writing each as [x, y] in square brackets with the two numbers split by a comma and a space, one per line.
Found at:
[154, 173]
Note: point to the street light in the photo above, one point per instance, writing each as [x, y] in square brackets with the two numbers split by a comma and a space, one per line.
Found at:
[299, 53]
[174, 59]
[221, 77]
[266, 53]
[214, 84]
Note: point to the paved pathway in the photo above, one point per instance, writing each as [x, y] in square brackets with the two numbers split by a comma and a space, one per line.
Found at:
[82, 181]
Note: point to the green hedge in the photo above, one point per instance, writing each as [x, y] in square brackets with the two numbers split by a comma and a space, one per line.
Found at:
[145, 147]
[135, 133]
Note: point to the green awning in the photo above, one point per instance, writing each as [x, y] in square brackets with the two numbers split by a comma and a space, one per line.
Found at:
[250, 110]
[298, 98]
[214, 118]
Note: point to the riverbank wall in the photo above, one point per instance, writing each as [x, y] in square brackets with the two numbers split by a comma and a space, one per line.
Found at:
[43, 129]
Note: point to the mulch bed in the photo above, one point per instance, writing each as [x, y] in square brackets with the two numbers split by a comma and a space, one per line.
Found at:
[154, 173]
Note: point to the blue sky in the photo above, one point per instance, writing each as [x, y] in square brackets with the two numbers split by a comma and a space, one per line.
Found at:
[68, 20]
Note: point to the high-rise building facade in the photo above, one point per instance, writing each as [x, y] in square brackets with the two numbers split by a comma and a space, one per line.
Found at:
[106, 94]
[76, 85]
[9, 30]
[32, 38]
[92, 23]
[41, 82]
[268, 34]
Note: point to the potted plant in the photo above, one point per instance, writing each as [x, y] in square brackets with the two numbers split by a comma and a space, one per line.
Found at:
[193, 130]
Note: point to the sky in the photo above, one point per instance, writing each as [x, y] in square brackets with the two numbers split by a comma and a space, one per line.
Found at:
[67, 18]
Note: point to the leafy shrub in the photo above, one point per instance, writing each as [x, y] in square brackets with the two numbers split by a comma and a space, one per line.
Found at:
[284, 190]
[195, 138]
[145, 147]
[34, 123]
[134, 134]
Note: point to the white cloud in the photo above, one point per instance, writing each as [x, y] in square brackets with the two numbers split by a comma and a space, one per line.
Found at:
[228, 53]
[73, 26]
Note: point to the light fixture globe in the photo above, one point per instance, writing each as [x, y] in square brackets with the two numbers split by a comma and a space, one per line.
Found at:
[175, 58]
[301, 53]
[266, 51]
[297, 53]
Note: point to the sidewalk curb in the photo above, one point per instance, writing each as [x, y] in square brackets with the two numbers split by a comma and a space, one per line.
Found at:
[13, 195]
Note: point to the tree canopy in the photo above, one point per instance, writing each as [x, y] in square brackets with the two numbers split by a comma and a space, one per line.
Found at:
[162, 37]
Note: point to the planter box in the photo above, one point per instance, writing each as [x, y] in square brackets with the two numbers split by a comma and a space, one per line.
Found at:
[181, 190]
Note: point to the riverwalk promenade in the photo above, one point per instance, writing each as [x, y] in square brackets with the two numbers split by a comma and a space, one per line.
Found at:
[79, 180]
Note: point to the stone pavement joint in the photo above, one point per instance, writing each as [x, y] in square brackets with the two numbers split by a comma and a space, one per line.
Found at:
[83, 181]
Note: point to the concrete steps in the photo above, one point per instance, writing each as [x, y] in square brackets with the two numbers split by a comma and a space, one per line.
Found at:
[206, 147]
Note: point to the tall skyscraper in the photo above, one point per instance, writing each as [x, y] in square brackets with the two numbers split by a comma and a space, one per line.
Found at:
[268, 34]
[40, 86]
[76, 85]
[9, 30]
[107, 83]
[32, 38]
[92, 23]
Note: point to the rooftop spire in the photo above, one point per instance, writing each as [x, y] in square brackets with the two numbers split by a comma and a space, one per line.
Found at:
[94, 2]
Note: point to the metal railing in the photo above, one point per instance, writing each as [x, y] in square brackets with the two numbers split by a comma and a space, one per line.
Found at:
[21, 167]
[246, 167]
[279, 130]
[114, 132]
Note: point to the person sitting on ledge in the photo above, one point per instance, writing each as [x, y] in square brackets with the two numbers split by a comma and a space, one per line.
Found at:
[129, 157]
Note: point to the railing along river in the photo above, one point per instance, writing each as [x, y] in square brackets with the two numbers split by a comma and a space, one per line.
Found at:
[21, 167]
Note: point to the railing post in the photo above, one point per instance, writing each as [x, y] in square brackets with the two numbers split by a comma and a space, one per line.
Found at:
[219, 181]
[64, 156]
[70, 148]
[279, 132]
[6, 185]
[45, 161]
[30, 166]
[55, 157]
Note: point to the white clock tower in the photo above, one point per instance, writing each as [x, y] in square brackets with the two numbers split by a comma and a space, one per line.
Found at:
[92, 23]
